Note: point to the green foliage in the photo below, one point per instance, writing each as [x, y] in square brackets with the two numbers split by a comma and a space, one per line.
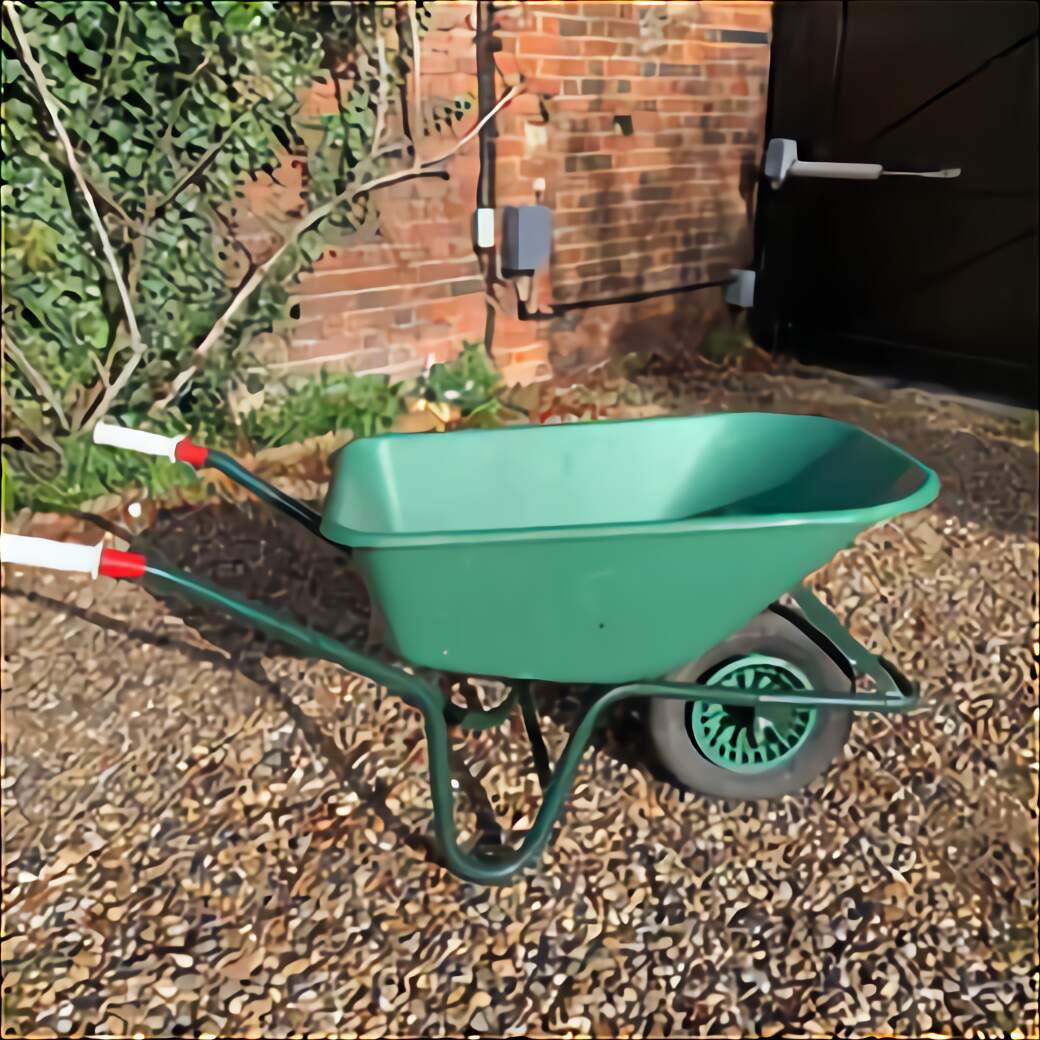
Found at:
[87, 472]
[291, 412]
[168, 107]
[171, 108]
[7, 492]
[468, 382]
[305, 408]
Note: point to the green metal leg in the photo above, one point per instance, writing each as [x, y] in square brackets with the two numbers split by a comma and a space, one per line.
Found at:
[498, 866]
[534, 735]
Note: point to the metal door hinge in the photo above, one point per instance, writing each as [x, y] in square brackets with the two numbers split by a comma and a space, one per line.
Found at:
[741, 291]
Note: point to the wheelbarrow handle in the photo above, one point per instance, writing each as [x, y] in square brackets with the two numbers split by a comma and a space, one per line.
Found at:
[483, 866]
[183, 449]
[67, 556]
[139, 440]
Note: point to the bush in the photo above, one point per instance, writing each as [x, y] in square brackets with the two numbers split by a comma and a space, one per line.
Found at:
[169, 107]
[291, 412]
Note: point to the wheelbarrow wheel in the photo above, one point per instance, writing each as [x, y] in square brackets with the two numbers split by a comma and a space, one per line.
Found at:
[750, 753]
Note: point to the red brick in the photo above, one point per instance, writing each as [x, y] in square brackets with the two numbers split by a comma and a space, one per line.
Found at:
[350, 281]
[525, 355]
[572, 103]
[608, 9]
[543, 44]
[512, 333]
[548, 85]
[510, 66]
[437, 61]
[598, 48]
[437, 272]
[508, 147]
[627, 67]
[569, 66]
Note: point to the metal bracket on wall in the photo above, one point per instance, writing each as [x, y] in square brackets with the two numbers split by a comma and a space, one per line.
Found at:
[782, 162]
[741, 291]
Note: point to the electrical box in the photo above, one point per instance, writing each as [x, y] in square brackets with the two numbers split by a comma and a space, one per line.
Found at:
[526, 238]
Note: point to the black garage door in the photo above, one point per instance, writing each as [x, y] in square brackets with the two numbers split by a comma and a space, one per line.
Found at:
[922, 279]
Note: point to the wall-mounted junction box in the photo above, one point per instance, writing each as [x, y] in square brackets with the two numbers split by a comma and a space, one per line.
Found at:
[526, 238]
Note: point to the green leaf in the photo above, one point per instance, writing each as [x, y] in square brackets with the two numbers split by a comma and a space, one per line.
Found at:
[7, 496]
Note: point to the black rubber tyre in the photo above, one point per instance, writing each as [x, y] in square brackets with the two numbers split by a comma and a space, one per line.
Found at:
[775, 635]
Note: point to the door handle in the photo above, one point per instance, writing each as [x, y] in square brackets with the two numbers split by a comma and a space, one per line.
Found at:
[782, 162]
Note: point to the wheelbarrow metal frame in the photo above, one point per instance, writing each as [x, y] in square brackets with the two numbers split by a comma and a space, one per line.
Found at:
[483, 865]
[498, 865]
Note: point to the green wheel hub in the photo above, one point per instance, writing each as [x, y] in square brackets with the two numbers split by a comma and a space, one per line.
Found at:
[751, 740]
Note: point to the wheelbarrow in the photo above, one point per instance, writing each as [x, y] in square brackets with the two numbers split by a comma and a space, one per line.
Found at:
[640, 559]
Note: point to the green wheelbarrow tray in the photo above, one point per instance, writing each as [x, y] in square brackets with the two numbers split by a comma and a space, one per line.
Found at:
[605, 554]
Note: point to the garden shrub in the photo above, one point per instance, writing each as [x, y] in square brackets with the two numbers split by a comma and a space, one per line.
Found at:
[292, 411]
[169, 108]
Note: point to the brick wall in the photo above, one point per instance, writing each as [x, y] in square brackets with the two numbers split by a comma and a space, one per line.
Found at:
[653, 124]
[645, 121]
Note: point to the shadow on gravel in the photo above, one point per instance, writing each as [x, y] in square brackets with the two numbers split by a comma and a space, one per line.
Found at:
[259, 555]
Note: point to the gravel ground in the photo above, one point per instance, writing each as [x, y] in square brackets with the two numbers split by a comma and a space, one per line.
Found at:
[205, 834]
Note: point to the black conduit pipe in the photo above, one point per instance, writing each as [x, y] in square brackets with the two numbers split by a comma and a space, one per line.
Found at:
[486, 47]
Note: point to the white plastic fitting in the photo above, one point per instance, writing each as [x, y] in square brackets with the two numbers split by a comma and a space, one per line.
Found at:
[136, 440]
[45, 552]
[484, 228]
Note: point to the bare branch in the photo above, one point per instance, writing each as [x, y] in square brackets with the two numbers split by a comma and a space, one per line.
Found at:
[103, 374]
[229, 231]
[381, 99]
[201, 163]
[133, 275]
[39, 384]
[102, 196]
[404, 94]
[249, 285]
[56, 152]
[137, 347]
[470, 134]
[166, 140]
[417, 119]
[99, 98]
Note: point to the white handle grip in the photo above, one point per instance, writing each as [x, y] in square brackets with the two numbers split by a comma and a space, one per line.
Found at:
[45, 552]
[136, 440]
